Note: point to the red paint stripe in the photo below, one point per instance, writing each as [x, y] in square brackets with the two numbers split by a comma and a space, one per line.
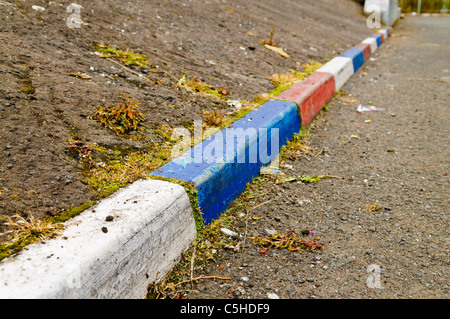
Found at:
[311, 94]
[381, 36]
[365, 47]
[390, 30]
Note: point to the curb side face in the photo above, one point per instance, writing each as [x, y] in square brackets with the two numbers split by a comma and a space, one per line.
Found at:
[311, 94]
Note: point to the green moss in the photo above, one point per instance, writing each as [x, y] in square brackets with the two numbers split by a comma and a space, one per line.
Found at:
[280, 88]
[28, 88]
[192, 193]
[70, 213]
[7, 249]
[126, 57]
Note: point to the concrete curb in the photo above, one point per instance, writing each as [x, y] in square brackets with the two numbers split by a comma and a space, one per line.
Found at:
[153, 221]
[152, 226]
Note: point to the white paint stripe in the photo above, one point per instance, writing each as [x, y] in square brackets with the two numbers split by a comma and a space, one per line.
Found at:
[373, 44]
[341, 68]
[153, 225]
[384, 32]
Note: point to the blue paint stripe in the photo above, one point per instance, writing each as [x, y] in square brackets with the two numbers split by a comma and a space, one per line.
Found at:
[387, 30]
[221, 177]
[357, 55]
[378, 37]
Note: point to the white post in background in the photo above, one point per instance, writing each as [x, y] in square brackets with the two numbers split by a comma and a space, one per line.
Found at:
[444, 6]
[419, 6]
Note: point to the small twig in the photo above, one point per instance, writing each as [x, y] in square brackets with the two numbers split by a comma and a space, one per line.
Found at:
[132, 71]
[192, 265]
[256, 196]
[266, 202]
[431, 80]
[263, 203]
[246, 227]
[198, 278]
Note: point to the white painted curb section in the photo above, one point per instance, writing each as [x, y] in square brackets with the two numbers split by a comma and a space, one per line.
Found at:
[384, 32]
[341, 68]
[152, 226]
[373, 44]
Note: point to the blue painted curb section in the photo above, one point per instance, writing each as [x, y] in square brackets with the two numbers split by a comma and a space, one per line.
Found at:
[356, 55]
[377, 37]
[222, 166]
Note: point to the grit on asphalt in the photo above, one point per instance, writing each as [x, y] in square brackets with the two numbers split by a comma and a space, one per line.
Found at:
[385, 223]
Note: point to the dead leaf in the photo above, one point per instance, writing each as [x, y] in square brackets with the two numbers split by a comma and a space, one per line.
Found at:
[373, 207]
[278, 50]
[355, 136]
[289, 179]
[256, 218]
[347, 100]
[81, 76]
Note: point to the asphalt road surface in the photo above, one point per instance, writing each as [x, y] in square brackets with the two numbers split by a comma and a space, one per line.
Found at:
[385, 224]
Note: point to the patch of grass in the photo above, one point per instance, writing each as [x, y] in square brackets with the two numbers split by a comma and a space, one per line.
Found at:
[27, 231]
[271, 40]
[126, 57]
[214, 118]
[293, 77]
[122, 118]
[296, 144]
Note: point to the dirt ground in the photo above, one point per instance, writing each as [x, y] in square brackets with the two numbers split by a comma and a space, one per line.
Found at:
[43, 109]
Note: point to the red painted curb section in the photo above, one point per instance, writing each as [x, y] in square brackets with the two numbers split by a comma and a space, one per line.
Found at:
[311, 94]
[365, 47]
